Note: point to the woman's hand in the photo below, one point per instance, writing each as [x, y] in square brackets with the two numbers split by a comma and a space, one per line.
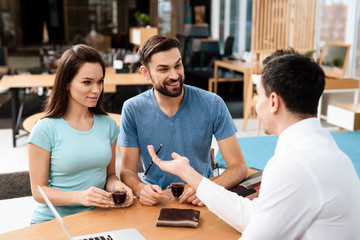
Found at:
[96, 197]
[120, 186]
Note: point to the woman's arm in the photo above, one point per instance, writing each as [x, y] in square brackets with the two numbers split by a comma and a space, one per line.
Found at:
[39, 164]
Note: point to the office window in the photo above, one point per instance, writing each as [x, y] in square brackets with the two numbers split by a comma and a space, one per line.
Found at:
[357, 52]
[164, 16]
[340, 23]
[222, 23]
[235, 20]
[333, 20]
[248, 25]
[234, 23]
[229, 22]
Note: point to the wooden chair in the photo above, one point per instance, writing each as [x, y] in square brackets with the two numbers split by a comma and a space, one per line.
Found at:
[250, 110]
[4, 66]
[229, 42]
[214, 165]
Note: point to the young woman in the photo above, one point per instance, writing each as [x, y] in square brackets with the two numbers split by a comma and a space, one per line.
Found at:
[72, 150]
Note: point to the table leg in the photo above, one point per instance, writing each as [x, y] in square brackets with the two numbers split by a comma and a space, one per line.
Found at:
[216, 76]
[356, 96]
[14, 108]
[246, 83]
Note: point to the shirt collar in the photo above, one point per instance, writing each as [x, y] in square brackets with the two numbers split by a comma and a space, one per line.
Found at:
[292, 133]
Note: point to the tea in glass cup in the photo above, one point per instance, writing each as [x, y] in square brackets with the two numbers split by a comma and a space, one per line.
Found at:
[118, 197]
[177, 189]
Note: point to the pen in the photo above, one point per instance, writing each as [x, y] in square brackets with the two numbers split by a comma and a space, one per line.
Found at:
[151, 163]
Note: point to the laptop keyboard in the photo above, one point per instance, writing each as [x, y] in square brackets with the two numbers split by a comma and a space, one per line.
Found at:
[99, 237]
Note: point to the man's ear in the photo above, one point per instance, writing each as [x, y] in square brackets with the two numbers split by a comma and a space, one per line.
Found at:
[275, 102]
[145, 72]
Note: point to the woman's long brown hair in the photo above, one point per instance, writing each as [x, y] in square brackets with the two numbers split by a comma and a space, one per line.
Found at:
[69, 65]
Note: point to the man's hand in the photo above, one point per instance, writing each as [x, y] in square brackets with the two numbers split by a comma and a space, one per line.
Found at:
[150, 194]
[180, 167]
[189, 196]
[177, 166]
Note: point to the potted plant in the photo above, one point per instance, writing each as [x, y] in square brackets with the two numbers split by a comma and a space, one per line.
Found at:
[143, 19]
[307, 54]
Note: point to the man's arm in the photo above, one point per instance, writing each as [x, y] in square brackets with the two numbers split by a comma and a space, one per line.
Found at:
[148, 194]
[237, 168]
[233, 209]
[235, 173]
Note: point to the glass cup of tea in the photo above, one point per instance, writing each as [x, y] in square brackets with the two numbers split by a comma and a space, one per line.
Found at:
[177, 189]
[119, 197]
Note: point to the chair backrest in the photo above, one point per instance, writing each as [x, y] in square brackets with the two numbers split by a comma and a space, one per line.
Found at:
[228, 48]
[210, 47]
[3, 57]
[15, 185]
[197, 30]
[209, 50]
[214, 165]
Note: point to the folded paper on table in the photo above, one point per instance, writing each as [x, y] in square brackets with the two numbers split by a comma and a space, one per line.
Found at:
[248, 186]
[175, 217]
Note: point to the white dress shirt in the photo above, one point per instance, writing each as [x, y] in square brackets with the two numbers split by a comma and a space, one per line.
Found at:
[309, 190]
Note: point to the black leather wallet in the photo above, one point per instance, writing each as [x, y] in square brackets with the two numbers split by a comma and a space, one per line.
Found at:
[175, 217]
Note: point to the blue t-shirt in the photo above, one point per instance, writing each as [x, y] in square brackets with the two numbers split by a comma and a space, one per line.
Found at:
[189, 132]
[79, 159]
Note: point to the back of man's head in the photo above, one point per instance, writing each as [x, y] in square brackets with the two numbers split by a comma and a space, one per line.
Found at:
[155, 44]
[297, 79]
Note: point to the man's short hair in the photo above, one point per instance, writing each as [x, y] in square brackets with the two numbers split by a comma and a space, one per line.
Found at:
[297, 79]
[155, 44]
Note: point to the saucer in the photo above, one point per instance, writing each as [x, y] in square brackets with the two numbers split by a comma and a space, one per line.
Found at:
[169, 195]
[121, 206]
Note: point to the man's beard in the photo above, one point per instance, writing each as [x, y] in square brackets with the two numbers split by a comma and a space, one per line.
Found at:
[175, 92]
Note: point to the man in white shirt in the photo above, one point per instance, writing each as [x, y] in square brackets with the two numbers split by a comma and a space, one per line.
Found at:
[309, 189]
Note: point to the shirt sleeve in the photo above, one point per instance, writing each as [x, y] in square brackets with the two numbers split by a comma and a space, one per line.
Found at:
[286, 205]
[224, 126]
[128, 136]
[233, 209]
[114, 130]
[42, 135]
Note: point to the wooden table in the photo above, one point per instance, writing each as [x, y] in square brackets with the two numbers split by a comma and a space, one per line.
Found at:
[15, 82]
[346, 116]
[143, 218]
[235, 65]
[332, 85]
[340, 85]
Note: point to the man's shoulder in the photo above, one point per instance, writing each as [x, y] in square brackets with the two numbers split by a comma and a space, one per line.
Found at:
[142, 98]
[201, 93]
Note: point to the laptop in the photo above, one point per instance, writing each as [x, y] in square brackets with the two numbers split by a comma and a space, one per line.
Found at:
[130, 233]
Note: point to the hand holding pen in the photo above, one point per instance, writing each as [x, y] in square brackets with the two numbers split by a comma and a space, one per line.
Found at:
[151, 163]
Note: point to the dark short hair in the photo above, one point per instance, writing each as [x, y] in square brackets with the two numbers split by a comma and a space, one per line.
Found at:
[155, 44]
[69, 64]
[297, 79]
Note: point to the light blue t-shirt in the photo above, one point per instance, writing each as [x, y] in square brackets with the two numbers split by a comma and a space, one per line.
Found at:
[79, 159]
[189, 132]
